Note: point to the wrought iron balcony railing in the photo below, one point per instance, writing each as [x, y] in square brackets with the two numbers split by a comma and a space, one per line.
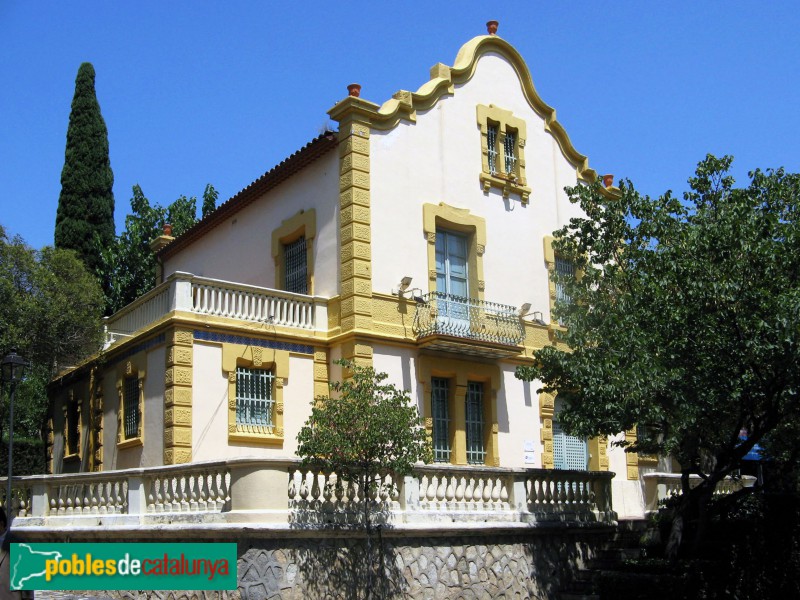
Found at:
[468, 319]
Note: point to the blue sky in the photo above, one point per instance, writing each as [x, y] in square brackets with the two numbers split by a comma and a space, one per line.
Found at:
[210, 92]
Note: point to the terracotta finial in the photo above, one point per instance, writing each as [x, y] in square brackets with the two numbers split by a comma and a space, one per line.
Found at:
[167, 228]
[354, 89]
[608, 180]
[491, 27]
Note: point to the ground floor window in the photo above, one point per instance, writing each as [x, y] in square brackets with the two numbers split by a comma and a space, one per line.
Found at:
[476, 451]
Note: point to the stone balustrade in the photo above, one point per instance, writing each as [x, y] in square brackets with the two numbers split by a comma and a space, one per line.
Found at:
[216, 298]
[280, 493]
[659, 487]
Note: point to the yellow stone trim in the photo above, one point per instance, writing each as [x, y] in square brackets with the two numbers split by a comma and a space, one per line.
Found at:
[134, 367]
[304, 223]
[404, 105]
[96, 421]
[73, 397]
[277, 361]
[456, 219]
[461, 372]
[321, 373]
[355, 258]
[514, 182]
[178, 382]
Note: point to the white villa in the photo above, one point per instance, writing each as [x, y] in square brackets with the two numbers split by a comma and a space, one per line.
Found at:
[416, 239]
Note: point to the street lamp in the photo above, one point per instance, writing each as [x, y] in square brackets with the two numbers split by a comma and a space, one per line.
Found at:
[12, 370]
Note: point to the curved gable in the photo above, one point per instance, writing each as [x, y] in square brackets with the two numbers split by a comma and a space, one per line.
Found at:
[404, 105]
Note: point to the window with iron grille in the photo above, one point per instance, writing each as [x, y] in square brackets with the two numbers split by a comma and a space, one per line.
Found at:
[296, 269]
[73, 427]
[564, 268]
[476, 452]
[130, 407]
[441, 419]
[254, 400]
[491, 134]
[509, 148]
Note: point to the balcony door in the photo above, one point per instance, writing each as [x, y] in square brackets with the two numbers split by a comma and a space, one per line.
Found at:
[452, 281]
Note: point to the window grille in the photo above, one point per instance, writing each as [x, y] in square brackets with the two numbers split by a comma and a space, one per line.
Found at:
[130, 407]
[476, 452]
[441, 419]
[564, 268]
[254, 400]
[73, 428]
[509, 144]
[296, 269]
[491, 135]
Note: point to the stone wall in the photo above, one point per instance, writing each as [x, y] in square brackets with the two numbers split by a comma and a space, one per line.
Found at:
[491, 564]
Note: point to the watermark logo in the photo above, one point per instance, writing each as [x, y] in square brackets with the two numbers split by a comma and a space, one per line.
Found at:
[116, 566]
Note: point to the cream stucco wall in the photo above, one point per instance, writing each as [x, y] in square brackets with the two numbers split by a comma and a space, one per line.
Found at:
[152, 452]
[240, 249]
[438, 159]
[210, 407]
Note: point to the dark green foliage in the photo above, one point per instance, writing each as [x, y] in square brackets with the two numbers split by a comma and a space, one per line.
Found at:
[369, 428]
[85, 217]
[129, 259]
[50, 309]
[686, 319]
[210, 196]
[29, 456]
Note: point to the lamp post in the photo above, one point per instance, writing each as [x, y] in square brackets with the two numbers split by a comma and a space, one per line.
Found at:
[12, 370]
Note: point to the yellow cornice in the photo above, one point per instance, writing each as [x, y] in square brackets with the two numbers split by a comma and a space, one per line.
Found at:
[404, 105]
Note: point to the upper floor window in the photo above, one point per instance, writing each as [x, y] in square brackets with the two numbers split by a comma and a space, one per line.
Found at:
[502, 144]
[293, 252]
[255, 404]
[296, 266]
[564, 268]
[491, 149]
[510, 151]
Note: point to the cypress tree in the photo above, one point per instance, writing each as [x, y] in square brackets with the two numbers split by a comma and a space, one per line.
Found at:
[85, 218]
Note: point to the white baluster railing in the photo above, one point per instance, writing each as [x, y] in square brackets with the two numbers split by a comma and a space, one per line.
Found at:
[464, 489]
[279, 491]
[188, 488]
[217, 298]
[659, 487]
[248, 303]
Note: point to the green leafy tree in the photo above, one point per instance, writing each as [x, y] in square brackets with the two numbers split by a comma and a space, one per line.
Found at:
[210, 196]
[367, 430]
[50, 310]
[85, 217]
[684, 319]
[129, 258]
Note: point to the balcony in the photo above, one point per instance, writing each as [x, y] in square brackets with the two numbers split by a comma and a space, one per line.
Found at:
[468, 326]
[278, 494]
[216, 298]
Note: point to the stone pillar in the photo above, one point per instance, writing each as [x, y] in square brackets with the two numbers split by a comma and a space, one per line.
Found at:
[178, 397]
[546, 412]
[354, 116]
